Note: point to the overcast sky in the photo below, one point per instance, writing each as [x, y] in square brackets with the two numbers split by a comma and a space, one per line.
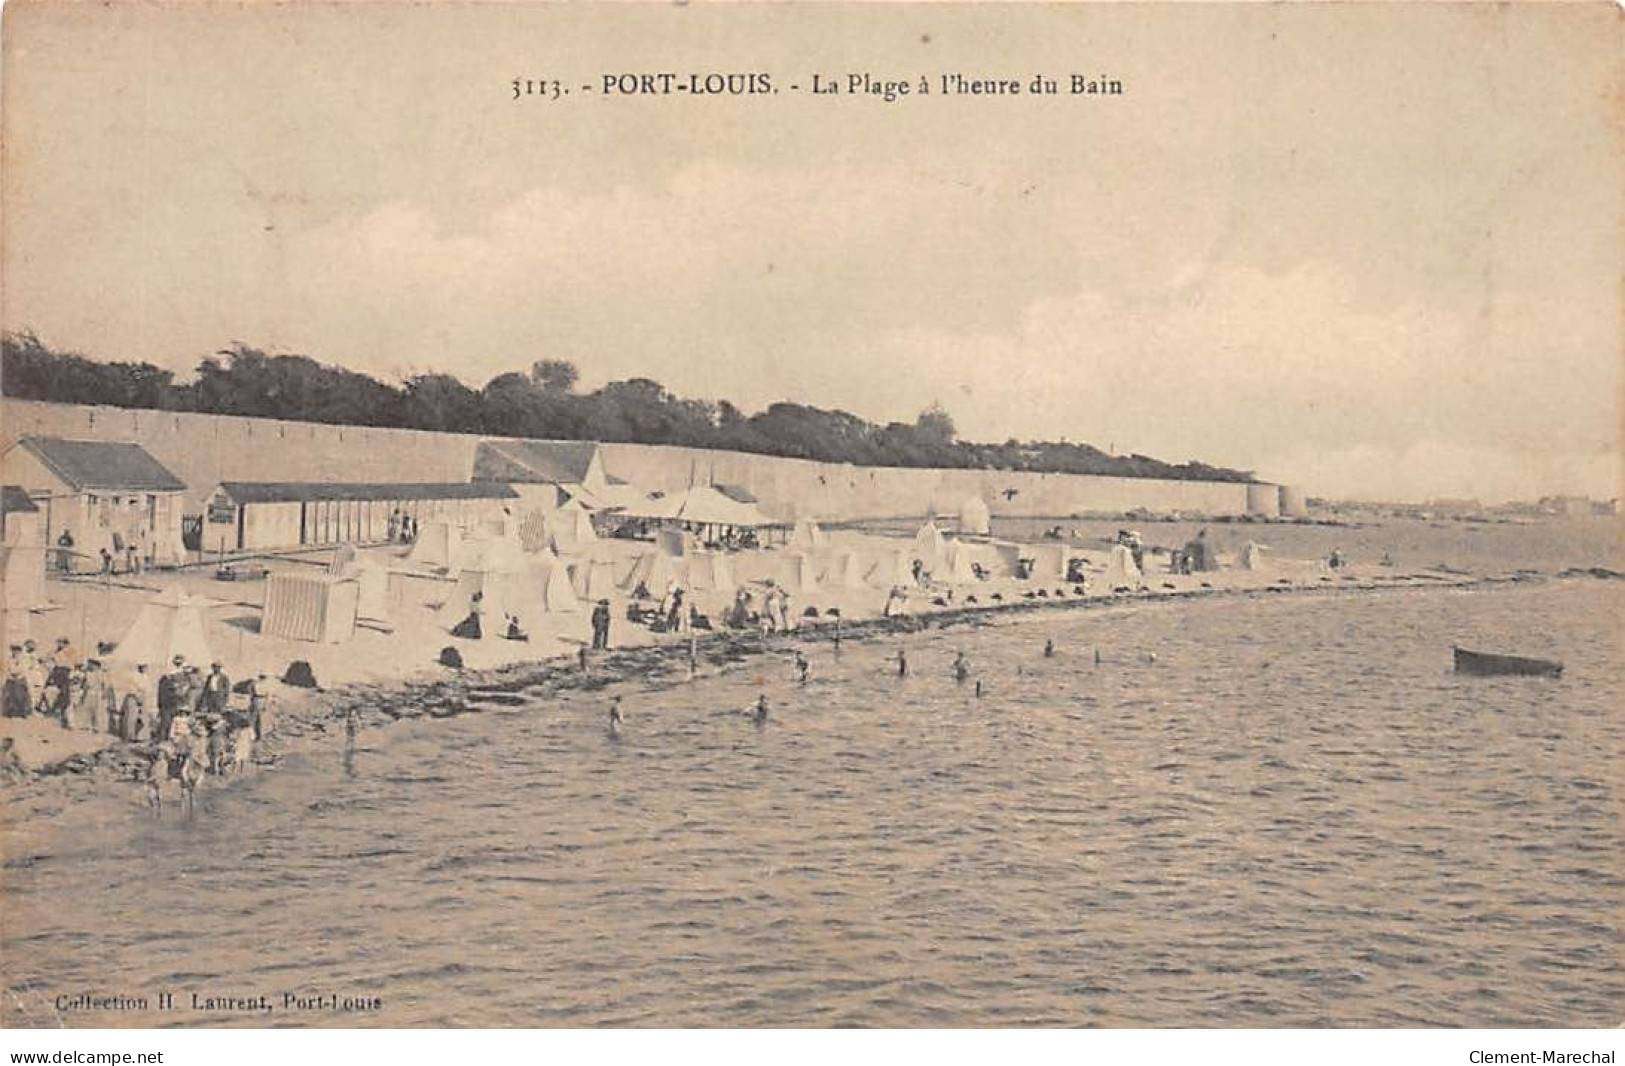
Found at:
[1373, 250]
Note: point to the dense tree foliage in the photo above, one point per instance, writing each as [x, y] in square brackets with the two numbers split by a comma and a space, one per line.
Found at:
[543, 403]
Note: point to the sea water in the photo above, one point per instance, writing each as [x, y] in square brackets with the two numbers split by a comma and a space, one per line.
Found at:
[1279, 811]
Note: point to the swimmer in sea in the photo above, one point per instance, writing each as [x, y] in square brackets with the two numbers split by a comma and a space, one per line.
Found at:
[902, 663]
[1049, 649]
[803, 667]
[961, 667]
[760, 713]
[978, 688]
[615, 718]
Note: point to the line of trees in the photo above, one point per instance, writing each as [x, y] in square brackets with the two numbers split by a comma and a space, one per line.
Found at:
[544, 403]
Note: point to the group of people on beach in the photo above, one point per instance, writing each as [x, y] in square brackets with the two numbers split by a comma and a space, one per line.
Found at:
[403, 528]
[183, 712]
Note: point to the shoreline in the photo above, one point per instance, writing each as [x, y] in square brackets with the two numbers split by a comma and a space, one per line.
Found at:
[302, 714]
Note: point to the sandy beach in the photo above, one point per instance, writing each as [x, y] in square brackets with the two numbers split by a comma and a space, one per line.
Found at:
[389, 671]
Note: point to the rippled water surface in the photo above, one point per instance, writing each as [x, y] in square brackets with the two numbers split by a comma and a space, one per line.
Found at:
[1294, 815]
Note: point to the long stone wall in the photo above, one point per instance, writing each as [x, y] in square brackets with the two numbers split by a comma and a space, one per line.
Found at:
[204, 450]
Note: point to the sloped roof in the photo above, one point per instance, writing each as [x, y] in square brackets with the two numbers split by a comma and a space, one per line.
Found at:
[13, 500]
[558, 462]
[289, 491]
[737, 493]
[112, 466]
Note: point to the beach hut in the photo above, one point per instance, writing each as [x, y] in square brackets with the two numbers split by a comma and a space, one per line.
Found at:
[893, 568]
[311, 606]
[1252, 556]
[847, 571]
[807, 536]
[102, 494]
[1120, 570]
[655, 571]
[168, 624]
[974, 516]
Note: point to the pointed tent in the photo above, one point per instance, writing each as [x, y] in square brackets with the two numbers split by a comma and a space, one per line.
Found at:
[930, 548]
[798, 572]
[372, 580]
[892, 570]
[569, 529]
[655, 571]
[1006, 558]
[343, 560]
[807, 536]
[1120, 569]
[846, 571]
[508, 583]
[593, 578]
[169, 624]
[957, 565]
[434, 544]
[974, 516]
[1049, 561]
[709, 571]
[550, 586]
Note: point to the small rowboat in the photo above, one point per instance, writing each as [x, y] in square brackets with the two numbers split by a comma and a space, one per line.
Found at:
[1486, 664]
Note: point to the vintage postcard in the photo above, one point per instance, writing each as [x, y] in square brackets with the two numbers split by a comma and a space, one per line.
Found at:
[539, 515]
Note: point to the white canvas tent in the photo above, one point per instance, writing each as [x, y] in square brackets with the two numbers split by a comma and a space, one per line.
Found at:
[807, 536]
[593, 578]
[974, 517]
[956, 565]
[709, 571]
[22, 589]
[372, 580]
[655, 571]
[930, 548]
[435, 545]
[1252, 556]
[846, 571]
[548, 586]
[569, 529]
[1120, 569]
[169, 624]
[702, 505]
[892, 570]
[798, 572]
[1049, 561]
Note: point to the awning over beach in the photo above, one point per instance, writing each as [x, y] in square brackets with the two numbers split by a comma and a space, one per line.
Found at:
[702, 505]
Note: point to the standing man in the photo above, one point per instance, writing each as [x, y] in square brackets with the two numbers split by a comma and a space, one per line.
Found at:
[600, 626]
[258, 702]
[64, 554]
[171, 697]
[216, 691]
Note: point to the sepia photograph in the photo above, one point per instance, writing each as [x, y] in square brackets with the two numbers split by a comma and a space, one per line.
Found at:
[809, 516]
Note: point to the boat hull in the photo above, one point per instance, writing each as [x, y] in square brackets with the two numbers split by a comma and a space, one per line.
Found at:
[1488, 664]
